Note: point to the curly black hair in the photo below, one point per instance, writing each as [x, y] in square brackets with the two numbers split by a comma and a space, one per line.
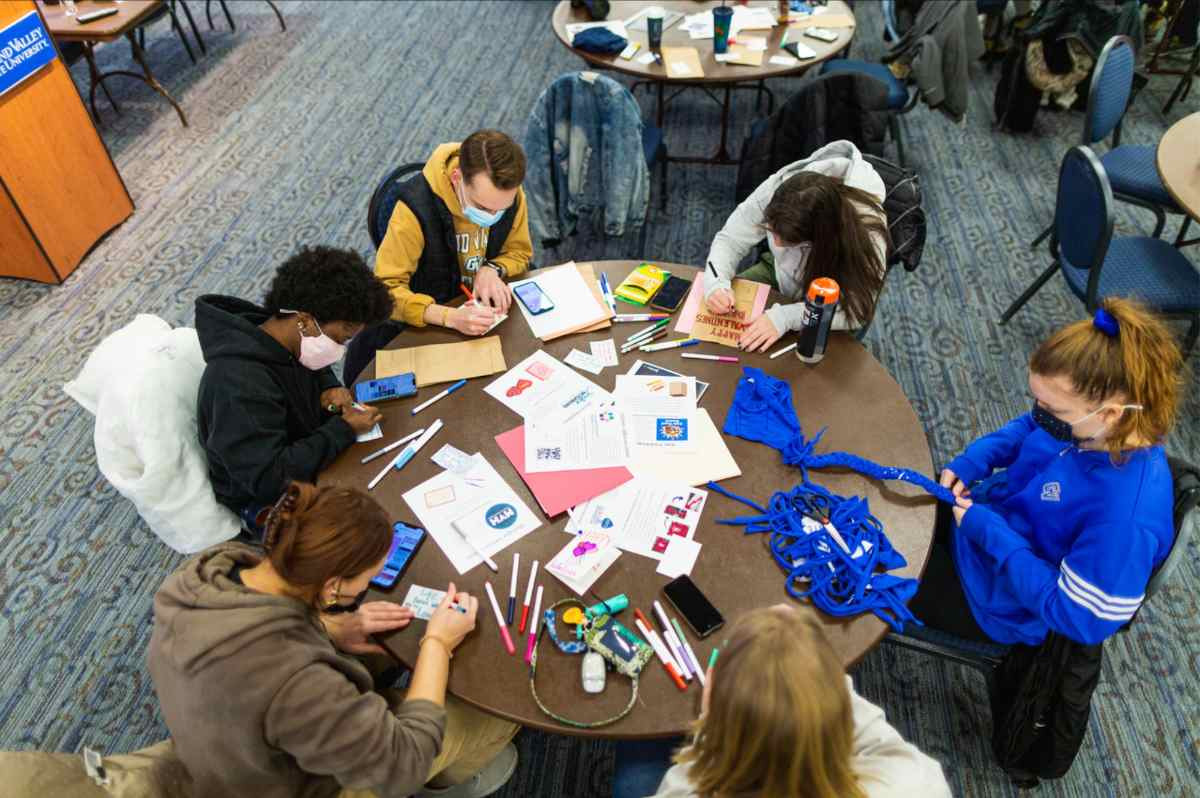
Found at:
[331, 284]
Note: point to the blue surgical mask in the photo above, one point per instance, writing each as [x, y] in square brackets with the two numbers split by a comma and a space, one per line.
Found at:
[477, 215]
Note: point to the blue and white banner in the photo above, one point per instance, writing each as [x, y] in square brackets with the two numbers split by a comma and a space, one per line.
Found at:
[25, 47]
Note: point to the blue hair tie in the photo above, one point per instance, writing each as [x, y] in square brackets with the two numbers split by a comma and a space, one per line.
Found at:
[1106, 323]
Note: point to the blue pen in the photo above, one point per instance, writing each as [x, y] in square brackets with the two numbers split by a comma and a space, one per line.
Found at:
[608, 296]
[441, 395]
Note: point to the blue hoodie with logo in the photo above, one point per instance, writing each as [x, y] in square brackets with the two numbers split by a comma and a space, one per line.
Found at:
[1063, 538]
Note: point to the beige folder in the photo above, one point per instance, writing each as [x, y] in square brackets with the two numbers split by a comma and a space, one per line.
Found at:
[709, 460]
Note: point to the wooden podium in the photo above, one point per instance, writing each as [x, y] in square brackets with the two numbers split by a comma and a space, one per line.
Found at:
[59, 189]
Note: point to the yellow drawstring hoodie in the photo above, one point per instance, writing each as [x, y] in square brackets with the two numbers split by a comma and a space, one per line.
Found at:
[403, 243]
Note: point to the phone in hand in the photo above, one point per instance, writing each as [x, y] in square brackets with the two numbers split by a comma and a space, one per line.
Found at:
[535, 300]
[406, 540]
[671, 294]
[695, 608]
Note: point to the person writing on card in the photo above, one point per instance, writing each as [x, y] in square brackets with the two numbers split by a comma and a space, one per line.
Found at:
[251, 658]
[462, 220]
[269, 408]
[822, 217]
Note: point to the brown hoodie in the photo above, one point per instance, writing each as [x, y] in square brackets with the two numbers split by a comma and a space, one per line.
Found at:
[261, 704]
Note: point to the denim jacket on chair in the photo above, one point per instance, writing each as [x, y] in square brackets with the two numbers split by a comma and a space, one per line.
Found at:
[594, 128]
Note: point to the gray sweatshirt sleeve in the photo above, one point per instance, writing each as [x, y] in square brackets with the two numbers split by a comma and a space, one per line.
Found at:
[742, 230]
[321, 719]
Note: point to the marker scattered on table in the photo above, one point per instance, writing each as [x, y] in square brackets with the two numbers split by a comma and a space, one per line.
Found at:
[718, 358]
[669, 345]
[783, 351]
[512, 589]
[687, 649]
[660, 651]
[649, 330]
[393, 445]
[407, 453]
[640, 317]
[528, 596]
[441, 395]
[533, 627]
[645, 339]
[712, 658]
[486, 559]
[675, 646]
[508, 643]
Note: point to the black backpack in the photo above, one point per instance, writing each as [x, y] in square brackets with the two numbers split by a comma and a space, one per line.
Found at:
[905, 216]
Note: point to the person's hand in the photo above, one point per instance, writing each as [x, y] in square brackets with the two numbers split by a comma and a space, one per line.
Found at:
[351, 631]
[720, 301]
[449, 624]
[472, 319]
[950, 480]
[336, 400]
[962, 504]
[759, 335]
[491, 290]
[361, 420]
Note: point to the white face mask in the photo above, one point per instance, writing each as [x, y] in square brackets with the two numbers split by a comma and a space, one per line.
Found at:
[317, 351]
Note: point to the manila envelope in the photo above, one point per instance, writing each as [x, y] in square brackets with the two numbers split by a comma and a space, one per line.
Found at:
[742, 54]
[682, 62]
[443, 362]
[589, 277]
[727, 330]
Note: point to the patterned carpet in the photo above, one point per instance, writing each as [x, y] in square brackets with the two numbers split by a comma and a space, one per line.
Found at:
[289, 133]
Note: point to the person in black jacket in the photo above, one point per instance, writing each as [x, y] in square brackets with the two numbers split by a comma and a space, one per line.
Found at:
[270, 409]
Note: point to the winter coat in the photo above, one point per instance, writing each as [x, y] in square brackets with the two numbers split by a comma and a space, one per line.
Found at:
[943, 42]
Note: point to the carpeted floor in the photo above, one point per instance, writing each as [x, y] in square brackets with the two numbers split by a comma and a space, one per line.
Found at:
[289, 133]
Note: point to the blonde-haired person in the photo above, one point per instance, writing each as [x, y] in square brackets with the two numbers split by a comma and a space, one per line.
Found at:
[249, 658]
[779, 717]
[1066, 535]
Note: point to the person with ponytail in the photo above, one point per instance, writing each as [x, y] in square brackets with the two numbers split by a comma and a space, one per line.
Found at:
[1063, 514]
[822, 217]
[249, 658]
[779, 717]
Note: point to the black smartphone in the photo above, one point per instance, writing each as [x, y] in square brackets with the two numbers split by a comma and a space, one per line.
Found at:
[671, 293]
[406, 540]
[533, 298]
[695, 608]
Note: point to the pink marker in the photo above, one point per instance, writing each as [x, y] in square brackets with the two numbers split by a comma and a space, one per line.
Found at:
[718, 358]
[508, 643]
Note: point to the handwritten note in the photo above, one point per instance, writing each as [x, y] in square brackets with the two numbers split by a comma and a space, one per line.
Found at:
[727, 329]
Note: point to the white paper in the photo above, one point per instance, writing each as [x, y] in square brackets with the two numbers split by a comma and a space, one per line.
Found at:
[645, 58]
[753, 42]
[582, 360]
[709, 460]
[541, 385]
[723, 57]
[583, 560]
[642, 367]
[373, 434]
[605, 352]
[680, 68]
[572, 297]
[679, 558]
[453, 460]
[783, 60]
[594, 435]
[499, 317]
[643, 516]
[480, 491]
[423, 601]
[699, 26]
[655, 418]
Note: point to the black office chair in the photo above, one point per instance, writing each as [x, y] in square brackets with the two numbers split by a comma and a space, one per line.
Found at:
[986, 657]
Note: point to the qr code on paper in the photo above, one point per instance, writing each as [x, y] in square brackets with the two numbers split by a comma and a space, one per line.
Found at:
[549, 453]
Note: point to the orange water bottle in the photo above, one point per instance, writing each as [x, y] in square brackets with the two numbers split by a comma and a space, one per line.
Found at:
[820, 304]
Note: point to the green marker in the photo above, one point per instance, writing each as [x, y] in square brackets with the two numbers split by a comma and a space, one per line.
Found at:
[712, 658]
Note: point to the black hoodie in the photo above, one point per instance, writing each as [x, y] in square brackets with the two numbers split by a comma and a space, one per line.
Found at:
[259, 410]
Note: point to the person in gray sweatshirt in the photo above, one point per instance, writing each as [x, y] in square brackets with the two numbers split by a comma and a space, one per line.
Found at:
[250, 658]
[822, 217]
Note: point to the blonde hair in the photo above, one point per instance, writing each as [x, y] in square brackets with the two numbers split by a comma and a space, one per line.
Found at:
[1141, 362]
[779, 721]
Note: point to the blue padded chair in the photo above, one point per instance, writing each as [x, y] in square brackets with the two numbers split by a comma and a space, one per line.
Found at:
[1131, 170]
[1095, 265]
[986, 657]
[898, 96]
[383, 201]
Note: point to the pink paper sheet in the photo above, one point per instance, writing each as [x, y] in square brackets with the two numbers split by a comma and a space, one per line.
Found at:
[555, 491]
[687, 316]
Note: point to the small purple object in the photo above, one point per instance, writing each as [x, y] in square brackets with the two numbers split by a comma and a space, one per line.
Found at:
[583, 548]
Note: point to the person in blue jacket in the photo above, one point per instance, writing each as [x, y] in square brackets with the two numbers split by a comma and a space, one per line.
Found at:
[1063, 514]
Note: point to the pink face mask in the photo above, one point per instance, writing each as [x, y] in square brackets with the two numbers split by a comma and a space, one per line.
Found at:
[318, 351]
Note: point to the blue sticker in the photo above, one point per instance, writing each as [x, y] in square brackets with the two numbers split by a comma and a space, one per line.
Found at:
[500, 516]
[671, 429]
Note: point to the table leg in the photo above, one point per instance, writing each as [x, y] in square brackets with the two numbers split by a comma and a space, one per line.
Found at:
[662, 108]
[150, 80]
[96, 79]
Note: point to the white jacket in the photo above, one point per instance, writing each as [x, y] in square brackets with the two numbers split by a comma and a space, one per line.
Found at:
[743, 230]
[886, 765]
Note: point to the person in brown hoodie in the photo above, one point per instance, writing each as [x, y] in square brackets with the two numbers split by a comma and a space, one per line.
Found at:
[248, 664]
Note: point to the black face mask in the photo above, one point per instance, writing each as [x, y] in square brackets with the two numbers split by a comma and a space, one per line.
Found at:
[1054, 426]
[353, 606]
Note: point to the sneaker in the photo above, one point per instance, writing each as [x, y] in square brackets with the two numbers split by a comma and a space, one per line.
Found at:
[495, 774]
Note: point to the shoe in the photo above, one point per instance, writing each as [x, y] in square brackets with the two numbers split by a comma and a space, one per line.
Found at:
[495, 774]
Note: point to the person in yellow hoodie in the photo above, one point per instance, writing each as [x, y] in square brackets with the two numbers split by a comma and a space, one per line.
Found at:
[463, 221]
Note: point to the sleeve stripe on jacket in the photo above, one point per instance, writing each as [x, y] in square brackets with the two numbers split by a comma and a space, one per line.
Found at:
[1096, 601]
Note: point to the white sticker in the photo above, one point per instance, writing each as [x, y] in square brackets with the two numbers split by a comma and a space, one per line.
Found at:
[605, 352]
[582, 360]
[453, 460]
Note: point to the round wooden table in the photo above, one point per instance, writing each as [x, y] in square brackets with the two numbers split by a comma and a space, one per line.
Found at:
[1178, 161]
[717, 75]
[850, 392]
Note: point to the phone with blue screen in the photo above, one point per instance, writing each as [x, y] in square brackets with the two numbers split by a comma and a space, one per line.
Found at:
[535, 300]
[406, 540]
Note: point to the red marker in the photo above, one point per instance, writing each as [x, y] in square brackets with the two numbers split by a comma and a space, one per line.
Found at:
[467, 291]
[528, 596]
[660, 650]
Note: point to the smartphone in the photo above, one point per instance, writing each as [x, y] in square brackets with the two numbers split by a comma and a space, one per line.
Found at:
[381, 390]
[671, 294]
[406, 539]
[533, 298]
[697, 610]
[821, 34]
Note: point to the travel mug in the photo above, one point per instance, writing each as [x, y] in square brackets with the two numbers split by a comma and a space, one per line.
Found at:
[722, 16]
[654, 27]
